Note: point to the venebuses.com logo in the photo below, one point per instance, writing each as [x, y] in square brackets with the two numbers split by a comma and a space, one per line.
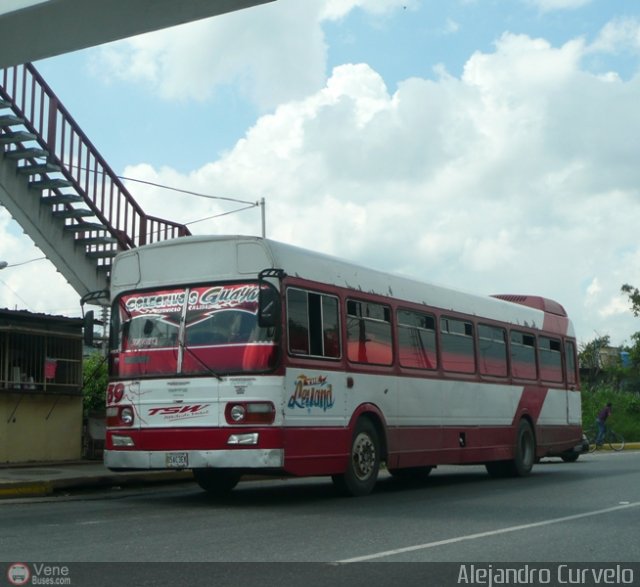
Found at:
[18, 574]
[38, 574]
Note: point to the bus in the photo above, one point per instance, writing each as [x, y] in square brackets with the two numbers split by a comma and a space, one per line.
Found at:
[235, 355]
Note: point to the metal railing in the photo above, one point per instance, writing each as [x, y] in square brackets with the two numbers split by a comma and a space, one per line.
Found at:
[80, 162]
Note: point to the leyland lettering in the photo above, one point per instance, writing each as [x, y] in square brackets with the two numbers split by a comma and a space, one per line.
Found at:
[312, 392]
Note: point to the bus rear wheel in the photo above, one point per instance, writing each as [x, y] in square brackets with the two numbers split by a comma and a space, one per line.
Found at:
[524, 455]
[364, 461]
[217, 481]
[411, 474]
[570, 456]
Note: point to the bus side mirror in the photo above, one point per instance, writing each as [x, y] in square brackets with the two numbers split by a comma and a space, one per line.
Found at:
[88, 328]
[268, 307]
[269, 298]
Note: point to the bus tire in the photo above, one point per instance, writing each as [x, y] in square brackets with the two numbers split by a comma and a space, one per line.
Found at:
[570, 456]
[525, 453]
[364, 461]
[411, 474]
[498, 469]
[217, 481]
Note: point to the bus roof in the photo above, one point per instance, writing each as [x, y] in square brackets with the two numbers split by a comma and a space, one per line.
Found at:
[199, 259]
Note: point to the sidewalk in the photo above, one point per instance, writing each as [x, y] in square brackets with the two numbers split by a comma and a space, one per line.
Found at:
[42, 479]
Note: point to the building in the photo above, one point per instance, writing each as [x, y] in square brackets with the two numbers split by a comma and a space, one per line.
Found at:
[40, 387]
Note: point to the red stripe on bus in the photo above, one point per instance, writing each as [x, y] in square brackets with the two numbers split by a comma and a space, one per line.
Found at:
[173, 439]
[531, 402]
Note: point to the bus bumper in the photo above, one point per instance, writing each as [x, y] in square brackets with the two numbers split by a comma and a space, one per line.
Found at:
[272, 458]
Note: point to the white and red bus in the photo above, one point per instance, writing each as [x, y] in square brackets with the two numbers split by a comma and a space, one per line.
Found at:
[235, 355]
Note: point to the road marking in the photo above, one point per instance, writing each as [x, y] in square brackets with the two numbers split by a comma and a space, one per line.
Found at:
[415, 547]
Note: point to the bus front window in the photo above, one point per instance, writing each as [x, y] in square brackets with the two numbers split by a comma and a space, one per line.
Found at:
[151, 332]
[220, 334]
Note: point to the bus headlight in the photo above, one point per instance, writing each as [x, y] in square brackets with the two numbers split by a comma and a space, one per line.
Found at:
[250, 413]
[237, 413]
[118, 416]
[126, 416]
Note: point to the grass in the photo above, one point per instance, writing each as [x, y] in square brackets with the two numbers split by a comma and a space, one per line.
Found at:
[625, 414]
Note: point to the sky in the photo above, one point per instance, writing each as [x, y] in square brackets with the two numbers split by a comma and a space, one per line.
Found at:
[491, 146]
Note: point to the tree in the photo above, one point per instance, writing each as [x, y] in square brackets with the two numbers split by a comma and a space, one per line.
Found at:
[94, 383]
[634, 350]
[590, 357]
[634, 297]
[634, 300]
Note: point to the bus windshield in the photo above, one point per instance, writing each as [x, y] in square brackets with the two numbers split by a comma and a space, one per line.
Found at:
[204, 330]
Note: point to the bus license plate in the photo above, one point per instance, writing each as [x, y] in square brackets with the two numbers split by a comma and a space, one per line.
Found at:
[177, 460]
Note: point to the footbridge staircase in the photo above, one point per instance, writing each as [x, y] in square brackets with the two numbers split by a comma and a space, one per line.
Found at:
[61, 191]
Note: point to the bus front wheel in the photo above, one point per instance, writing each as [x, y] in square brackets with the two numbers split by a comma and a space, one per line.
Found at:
[364, 461]
[217, 481]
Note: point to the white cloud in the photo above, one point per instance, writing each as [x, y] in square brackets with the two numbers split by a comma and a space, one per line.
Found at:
[451, 27]
[519, 176]
[593, 290]
[551, 5]
[36, 285]
[616, 306]
[336, 9]
[621, 34]
[504, 180]
[273, 53]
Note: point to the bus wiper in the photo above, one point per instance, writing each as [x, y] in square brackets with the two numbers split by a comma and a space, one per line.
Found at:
[202, 363]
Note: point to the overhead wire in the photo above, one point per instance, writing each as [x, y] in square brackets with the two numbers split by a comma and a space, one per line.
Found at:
[183, 191]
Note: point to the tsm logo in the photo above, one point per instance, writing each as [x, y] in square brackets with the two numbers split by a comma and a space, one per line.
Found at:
[174, 410]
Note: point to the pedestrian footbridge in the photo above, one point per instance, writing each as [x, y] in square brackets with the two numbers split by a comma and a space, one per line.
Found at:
[53, 180]
[57, 186]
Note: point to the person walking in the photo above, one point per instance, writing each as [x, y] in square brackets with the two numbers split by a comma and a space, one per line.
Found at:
[601, 423]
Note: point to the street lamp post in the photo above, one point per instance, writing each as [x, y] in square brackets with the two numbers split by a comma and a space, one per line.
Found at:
[5, 264]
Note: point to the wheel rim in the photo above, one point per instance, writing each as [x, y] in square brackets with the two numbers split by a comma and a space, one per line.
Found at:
[363, 456]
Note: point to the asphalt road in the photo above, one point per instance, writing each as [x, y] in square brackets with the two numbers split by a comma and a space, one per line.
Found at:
[586, 512]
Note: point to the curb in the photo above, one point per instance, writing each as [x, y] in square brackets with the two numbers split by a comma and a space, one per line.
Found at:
[47, 488]
[41, 489]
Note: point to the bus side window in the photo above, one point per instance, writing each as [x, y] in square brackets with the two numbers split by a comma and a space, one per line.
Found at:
[456, 337]
[523, 355]
[313, 324]
[570, 362]
[492, 350]
[417, 340]
[369, 333]
[550, 359]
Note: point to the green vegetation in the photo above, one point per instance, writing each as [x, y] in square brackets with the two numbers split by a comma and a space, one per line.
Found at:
[94, 383]
[605, 378]
[625, 415]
